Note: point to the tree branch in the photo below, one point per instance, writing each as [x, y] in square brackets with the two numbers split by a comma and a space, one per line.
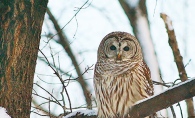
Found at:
[158, 102]
[61, 80]
[61, 71]
[171, 96]
[178, 59]
[38, 107]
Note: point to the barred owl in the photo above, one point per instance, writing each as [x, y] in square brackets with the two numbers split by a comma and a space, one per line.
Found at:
[121, 76]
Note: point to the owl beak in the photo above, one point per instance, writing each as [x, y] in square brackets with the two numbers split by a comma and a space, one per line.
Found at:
[119, 56]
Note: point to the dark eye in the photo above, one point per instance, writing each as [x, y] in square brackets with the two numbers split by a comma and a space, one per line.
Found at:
[112, 47]
[126, 48]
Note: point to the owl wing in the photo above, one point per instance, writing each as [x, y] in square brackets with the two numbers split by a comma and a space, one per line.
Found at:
[149, 88]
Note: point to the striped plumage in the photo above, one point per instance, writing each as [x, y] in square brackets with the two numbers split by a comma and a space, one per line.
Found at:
[120, 80]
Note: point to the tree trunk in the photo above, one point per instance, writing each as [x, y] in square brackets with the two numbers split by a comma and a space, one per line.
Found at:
[20, 28]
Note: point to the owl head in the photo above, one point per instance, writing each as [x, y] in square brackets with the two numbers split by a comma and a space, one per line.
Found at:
[119, 47]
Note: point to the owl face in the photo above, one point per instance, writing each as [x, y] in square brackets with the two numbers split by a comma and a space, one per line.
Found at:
[119, 48]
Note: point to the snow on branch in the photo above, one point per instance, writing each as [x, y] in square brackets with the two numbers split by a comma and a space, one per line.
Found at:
[167, 21]
[163, 100]
[82, 114]
[174, 46]
[154, 103]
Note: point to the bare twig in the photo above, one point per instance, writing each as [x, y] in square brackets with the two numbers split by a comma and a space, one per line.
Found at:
[49, 94]
[173, 112]
[188, 63]
[57, 74]
[178, 59]
[38, 107]
[61, 71]
[49, 109]
[178, 104]
[86, 70]
[78, 10]
[39, 114]
[47, 99]
[63, 100]
[160, 83]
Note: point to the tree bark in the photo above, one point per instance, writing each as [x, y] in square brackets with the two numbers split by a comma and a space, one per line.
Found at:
[20, 28]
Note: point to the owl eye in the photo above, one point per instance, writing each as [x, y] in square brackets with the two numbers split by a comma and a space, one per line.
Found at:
[126, 48]
[112, 47]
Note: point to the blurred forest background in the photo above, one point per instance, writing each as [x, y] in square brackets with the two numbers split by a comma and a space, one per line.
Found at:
[73, 29]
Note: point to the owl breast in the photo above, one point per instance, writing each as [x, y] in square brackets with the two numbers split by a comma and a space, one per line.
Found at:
[119, 88]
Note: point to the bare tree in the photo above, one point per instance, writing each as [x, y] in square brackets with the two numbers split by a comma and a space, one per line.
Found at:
[20, 28]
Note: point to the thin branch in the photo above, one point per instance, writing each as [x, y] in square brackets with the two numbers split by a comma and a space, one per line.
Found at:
[86, 70]
[46, 98]
[178, 59]
[63, 100]
[173, 112]
[60, 31]
[61, 71]
[49, 94]
[49, 108]
[39, 113]
[46, 82]
[57, 74]
[178, 104]
[160, 83]
[188, 63]
[173, 44]
[42, 109]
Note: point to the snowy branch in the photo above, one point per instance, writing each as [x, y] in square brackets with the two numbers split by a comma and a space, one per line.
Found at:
[155, 103]
[163, 100]
[173, 44]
